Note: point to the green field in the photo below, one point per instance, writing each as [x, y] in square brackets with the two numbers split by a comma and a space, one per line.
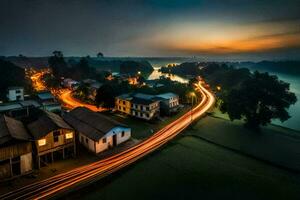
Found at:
[192, 168]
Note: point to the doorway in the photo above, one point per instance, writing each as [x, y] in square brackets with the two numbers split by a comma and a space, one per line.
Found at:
[114, 140]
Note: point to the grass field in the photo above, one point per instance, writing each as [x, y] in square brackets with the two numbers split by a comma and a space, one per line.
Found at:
[192, 168]
[141, 129]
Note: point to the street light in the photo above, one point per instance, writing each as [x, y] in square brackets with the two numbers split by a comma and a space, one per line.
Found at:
[192, 94]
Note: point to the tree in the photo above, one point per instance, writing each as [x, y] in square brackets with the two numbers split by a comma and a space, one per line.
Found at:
[259, 99]
[106, 93]
[100, 55]
[58, 64]
[10, 75]
[82, 91]
[106, 96]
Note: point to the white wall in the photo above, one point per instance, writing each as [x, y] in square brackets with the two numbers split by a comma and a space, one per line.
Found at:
[12, 94]
[26, 162]
[100, 146]
[90, 145]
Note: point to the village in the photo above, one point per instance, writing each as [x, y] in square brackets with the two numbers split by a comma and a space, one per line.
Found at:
[52, 126]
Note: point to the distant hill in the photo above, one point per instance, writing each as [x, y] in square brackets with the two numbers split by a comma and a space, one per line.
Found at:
[116, 64]
[26, 62]
[102, 64]
[287, 67]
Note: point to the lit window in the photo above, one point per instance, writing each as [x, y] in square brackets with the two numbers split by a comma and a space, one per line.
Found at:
[42, 142]
[69, 135]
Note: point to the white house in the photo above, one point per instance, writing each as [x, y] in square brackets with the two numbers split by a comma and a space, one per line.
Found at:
[96, 131]
[15, 93]
[169, 102]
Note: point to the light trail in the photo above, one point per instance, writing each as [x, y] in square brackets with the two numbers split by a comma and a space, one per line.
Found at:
[58, 184]
[65, 95]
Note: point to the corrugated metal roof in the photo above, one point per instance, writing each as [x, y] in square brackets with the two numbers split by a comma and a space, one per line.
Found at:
[92, 124]
[167, 95]
[47, 123]
[12, 129]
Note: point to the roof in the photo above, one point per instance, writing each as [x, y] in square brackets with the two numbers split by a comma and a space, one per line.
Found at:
[167, 95]
[96, 85]
[124, 97]
[47, 123]
[142, 101]
[45, 95]
[29, 103]
[12, 106]
[18, 105]
[143, 96]
[12, 129]
[93, 125]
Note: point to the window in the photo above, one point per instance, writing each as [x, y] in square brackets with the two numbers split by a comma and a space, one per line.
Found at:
[104, 140]
[86, 140]
[119, 107]
[148, 115]
[69, 135]
[18, 91]
[42, 142]
[56, 135]
[123, 102]
[123, 134]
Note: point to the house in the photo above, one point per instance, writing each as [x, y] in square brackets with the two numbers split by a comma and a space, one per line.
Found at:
[15, 149]
[123, 103]
[53, 138]
[169, 102]
[48, 101]
[19, 109]
[144, 108]
[15, 94]
[139, 105]
[96, 131]
[70, 83]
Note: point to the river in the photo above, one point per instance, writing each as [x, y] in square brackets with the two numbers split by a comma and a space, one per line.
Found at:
[294, 110]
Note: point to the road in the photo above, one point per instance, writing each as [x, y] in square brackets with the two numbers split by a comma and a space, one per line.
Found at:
[58, 184]
[65, 95]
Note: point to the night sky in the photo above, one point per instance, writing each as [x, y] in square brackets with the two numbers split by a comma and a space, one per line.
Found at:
[246, 29]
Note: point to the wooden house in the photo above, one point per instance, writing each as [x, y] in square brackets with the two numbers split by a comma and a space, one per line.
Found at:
[15, 149]
[54, 138]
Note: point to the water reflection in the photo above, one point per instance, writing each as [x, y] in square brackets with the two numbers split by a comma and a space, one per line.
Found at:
[156, 74]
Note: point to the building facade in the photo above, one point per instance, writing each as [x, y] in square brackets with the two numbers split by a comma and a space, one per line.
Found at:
[144, 108]
[123, 103]
[48, 102]
[15, 149]
[53, 138]
[95, 131]
[15, 94]
[169, 102]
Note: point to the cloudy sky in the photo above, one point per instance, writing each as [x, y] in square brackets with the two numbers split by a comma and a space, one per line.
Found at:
[231, 28]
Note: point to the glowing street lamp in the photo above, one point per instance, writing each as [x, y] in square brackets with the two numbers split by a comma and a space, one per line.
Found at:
[192, 95]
